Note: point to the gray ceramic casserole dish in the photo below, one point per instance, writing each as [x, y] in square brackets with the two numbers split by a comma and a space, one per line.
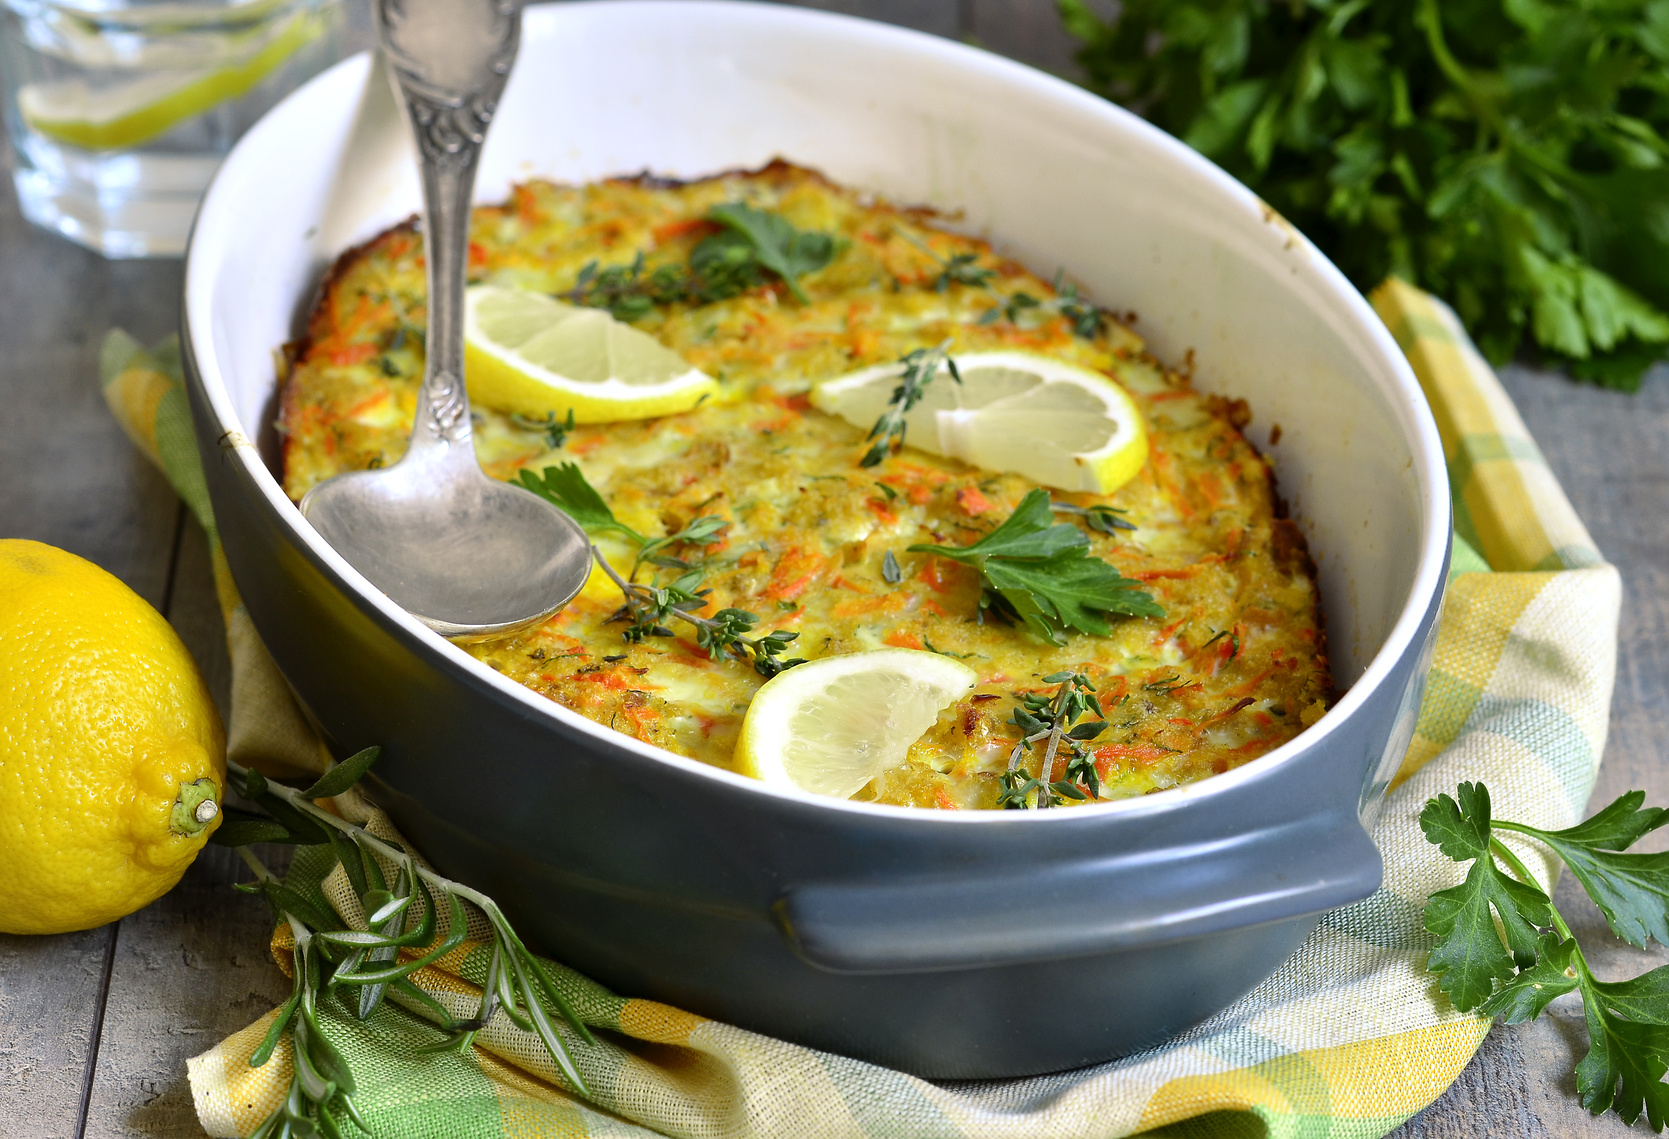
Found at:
[917, 939]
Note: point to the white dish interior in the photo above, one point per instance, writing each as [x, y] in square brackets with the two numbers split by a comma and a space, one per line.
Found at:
[1054, 176]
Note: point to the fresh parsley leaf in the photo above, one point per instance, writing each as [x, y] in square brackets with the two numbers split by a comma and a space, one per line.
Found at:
[788, 252]
[1525, 996]
[1470, 957]
[1041, 572]
[1460, 830]
[1628, 1021]
[565, 488]
[1631, 890]
[1625, 1064]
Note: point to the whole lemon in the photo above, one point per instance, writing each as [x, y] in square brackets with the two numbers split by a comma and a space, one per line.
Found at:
[112, 756]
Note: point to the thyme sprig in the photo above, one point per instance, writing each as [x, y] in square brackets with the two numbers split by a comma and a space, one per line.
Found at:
[920, 368]
[650, 606]
[1107, 519]
[360, 968]
[556, 430]
[1087, 318]
[1053, 722]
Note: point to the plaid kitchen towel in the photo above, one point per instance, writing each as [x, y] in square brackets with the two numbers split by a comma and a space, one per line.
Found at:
[1349, 1038]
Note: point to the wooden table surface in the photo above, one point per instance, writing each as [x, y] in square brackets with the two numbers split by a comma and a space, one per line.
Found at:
[95, 1027]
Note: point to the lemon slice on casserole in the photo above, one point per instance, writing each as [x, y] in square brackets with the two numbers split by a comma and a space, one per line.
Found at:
[1053, 422]
[528, 353]
[829, 726]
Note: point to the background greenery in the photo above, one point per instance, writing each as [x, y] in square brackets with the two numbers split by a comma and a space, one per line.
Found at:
[1508, 155]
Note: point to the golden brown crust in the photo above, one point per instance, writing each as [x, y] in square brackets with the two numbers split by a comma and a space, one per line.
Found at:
[1236, 667]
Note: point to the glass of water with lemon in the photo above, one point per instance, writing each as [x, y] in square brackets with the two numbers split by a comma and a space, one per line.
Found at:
[119, 111]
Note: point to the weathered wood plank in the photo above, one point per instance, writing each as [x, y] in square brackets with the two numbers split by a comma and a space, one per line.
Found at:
[51, 989]
[192, 967]
[71, 480]
[188, 970]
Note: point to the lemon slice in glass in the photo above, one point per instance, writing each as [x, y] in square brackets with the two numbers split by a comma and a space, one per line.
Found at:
[1053, 422]
[527, 353]
[831, 725]
[131, 113]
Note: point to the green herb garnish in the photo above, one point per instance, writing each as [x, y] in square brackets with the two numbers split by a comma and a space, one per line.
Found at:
[1040, 571]
[1052, 721]
[650, 605]
[963, 269]
[1106, 519]
[1516, 970]
[1511, 156]
[891, 572]
[359, 968]
[722, 266]
[774, 242]
[920, 367]
[556, 431]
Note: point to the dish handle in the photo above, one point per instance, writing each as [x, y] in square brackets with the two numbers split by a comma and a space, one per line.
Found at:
[1082, 908]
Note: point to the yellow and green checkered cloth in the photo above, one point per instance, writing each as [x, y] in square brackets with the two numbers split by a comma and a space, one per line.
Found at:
[1349, 1038]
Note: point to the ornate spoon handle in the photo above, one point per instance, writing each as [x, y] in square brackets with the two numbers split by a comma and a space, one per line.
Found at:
[450, 59]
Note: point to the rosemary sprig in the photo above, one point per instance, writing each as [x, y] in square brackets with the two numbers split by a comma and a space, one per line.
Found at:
[920, 367]
[649, 606]
[331, 961]
[1040, 571]
[1052, 722]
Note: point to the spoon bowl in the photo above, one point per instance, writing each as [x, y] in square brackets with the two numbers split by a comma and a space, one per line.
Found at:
[470, 557]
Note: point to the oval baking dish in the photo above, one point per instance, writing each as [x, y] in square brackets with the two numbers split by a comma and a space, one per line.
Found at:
[917, 939]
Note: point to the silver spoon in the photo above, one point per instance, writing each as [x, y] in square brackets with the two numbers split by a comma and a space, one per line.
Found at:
[469, 556]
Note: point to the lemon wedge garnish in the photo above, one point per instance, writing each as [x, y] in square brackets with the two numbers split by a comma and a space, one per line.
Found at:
[528, 353]
[831, 725]
[131, 113]
[1053, 422]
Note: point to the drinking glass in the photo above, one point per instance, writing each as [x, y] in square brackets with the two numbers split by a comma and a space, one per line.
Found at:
[119, 111]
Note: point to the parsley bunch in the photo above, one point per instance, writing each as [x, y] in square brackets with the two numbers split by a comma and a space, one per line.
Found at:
[1511, 156]
[1515, 971]
[1040, 571]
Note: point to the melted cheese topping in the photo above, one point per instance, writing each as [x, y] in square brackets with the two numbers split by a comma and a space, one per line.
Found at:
[1236, 667]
